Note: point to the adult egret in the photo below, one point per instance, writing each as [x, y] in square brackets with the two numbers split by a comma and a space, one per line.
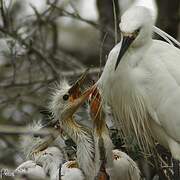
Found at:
[141, 82]
[116, 163]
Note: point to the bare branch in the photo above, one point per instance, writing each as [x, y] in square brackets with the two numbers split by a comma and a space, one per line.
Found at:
[16, 130]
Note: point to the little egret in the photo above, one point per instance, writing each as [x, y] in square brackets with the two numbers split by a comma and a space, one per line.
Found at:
[30, 170]
[116, 163]
[65, 100]
[141, 83]
[47, 159]
[70, 171]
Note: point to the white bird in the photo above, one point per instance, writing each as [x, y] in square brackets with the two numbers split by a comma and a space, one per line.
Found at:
[48, 162]
[65, 100]
[41, 153]
[51, 161]
[70, 171]
[117, 164]
[30, 170]
[46, 159]
[141, 82]
[51, 158]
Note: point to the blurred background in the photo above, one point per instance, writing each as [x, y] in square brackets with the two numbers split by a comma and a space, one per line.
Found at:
[42, 41]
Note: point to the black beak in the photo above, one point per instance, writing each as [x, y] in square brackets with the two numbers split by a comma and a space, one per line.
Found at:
[126, 42]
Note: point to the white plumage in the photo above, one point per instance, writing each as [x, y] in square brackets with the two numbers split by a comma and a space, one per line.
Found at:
[81, 135]
[71, 173]
[125, 167]
[50, 159]
[46, 162]
[31, 170]
[144, 90]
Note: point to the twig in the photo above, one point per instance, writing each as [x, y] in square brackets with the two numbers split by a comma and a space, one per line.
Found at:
[66, 74]
[115, 23]
[77, 16]
[101, 52]
[16, 130]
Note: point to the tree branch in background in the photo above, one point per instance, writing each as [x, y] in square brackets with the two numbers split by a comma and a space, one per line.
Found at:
[17, 130]
[66, 74]
[106, 12]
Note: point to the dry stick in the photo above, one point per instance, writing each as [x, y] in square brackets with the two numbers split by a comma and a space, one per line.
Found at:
[16, 130]
[3, 14]
[66, 13]
[115, 22]
[31, 49]
[66, 74]
[101, 52]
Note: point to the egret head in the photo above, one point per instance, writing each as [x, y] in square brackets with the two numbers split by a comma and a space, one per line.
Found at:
[66, 99]
[136, 28]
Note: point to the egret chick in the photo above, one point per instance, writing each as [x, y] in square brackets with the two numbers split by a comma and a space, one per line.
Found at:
[65, 100]
[30, 170]
[42, 153]
[48, 157]
[70, 171]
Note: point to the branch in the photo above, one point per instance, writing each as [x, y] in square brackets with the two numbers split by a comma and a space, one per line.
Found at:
[3, 14]
[16, 130]
[31, 49]
[75, 15]
[66, 74]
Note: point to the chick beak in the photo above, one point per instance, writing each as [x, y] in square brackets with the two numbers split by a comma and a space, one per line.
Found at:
[76, 103]
[126, 42]
[74, 91]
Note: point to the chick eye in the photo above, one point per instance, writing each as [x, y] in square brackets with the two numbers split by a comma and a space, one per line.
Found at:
[138, 30]
[65, 97]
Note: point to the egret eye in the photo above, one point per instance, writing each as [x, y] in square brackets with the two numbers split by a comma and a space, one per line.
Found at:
[65, 97]
[138, 30]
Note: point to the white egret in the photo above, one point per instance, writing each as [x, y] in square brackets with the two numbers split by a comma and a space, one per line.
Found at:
[51, 161]
[47, 157]
[41, 154]
[117, 164]
[70, 171]
[65, 100]
[141, 82]
[48, 161]
[30, 170]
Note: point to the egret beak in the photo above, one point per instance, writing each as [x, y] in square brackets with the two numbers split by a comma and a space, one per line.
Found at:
[74, 91]
[76, 103]
[43, 144]
[126, 42]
